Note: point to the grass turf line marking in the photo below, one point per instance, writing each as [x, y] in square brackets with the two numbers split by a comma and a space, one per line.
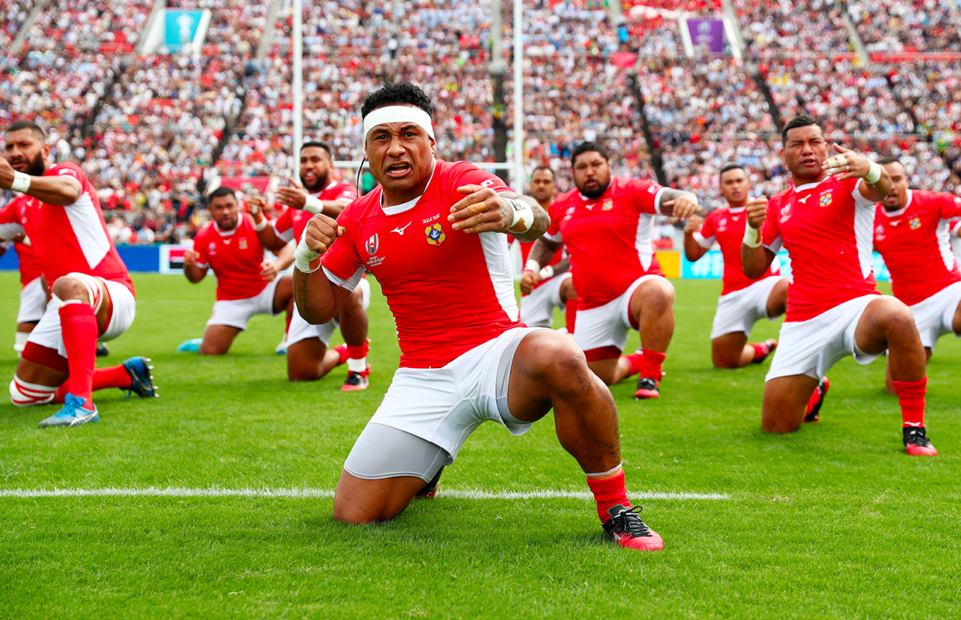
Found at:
[296, 493]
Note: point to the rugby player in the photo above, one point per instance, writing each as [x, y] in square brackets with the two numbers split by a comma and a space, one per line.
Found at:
[247, 284]
[466, 358]
[824, 221]
[549, 287]
[92, 294]
[743, 300]
[308, 356]
[955, 236]
[33, 293]
[619, 283]
[911, 232]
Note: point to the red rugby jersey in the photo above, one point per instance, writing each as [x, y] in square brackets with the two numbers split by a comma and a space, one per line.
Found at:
[726, 227]
[234, 256]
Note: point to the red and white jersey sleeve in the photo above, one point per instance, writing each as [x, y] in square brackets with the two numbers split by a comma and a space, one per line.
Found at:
[234, 256]
[726, 226]
[916, 246]
[449, 291]
[11, 226]
[609, 238]
[956, 241]
[73, 238]
[826, 229]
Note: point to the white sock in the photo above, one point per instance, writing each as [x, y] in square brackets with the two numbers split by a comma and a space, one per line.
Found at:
[357, 365]
[20, 342]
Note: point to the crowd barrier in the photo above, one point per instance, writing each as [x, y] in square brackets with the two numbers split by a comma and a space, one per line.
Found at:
[169, 259]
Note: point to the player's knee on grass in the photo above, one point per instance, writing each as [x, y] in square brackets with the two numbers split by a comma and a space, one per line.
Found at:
[358, 501]
[657, 296]
[723, 355]
[784, 404]
[304, 360]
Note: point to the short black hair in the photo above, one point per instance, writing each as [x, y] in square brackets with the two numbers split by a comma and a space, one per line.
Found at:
[889, 160]
[728, 168]
[588, 147]
[543, 167]
[318, 144]
[220, 192]
[35, 128]
[392, 93]
[801, 120]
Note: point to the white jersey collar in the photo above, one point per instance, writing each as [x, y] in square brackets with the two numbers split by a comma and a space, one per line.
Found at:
[410, 204]
[807, 186]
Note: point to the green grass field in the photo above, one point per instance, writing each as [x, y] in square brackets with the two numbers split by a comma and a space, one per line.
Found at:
[834, 521]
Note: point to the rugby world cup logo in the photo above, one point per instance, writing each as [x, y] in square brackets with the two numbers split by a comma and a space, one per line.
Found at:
[435, 234]
[372, 244]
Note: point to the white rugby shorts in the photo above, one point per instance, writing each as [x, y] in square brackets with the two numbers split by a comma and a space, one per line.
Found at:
[444, 405]
[738, 311]
[48, 334]
[236, 312]
[602, 331]
[537, 309]
[934, 316]
[302, 330]
[812, 347]
[33, 302]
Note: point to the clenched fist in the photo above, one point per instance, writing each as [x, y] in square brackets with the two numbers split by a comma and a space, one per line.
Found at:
[757, 212]
[693, 224]
[321, 233]
[529, 279]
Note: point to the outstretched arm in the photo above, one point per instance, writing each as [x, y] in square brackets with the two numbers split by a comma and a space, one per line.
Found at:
[677, 203]
[484, 210]
[542, 253]
[61, 190]
[298, 198]
[318, 299]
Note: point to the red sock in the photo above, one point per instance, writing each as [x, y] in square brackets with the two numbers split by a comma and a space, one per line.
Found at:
[357, 353]
[608, 493]
[103, 378]
[287, 327]
[570, 315]
[911, 397]
[651, 364]
[634, 359]
[815, 397]
[760, 350]
[79, 326]
[342, 351]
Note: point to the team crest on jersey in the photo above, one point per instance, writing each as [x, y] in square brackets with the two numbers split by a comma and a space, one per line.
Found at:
[373, 243]
[435, 234]
[607, 205]
[242, 243]
[826, 199]
[914, 223]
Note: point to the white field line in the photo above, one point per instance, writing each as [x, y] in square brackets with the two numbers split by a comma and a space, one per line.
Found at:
[296, 493]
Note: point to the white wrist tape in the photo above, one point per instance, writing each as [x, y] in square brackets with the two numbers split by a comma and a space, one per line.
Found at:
[752, 236]
[313, 205]
[532, 265]
[259, 226]
[547, 273]
[523, 211]
[874, 174]
[304, 256]
[21, 182]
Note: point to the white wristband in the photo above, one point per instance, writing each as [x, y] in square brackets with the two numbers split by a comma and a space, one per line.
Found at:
[752, 236]
[304, 256]
[21, 182]
[532, 265]
[313, 205]
[523, 212]
[874, 174]
[262, 224]
[547, 273]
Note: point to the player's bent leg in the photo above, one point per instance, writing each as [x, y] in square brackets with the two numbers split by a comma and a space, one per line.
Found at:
[652, 306]
[310, 359]
[354, 328]
[217, 339]
[39, 373]
[888, 381]
[785, 403]
[385, 469]
[777, 300]
[731, 351]
[283, 294]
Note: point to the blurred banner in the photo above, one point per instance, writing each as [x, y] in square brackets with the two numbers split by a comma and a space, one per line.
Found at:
[707, 32]
[711, 267]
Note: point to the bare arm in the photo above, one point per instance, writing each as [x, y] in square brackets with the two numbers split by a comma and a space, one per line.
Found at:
[542, 253]
[756, 260]
[61, 190]
[318, 299]
[692, 249]
[677, 203]
[849, 165]
[267, 235]
[285, 258]
[484, 210]
[194, 272]
[298, 199]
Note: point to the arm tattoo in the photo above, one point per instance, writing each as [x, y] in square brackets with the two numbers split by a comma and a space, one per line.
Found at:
[543, 251]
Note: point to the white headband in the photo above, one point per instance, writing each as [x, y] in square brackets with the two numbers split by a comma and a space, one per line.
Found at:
[398, 114]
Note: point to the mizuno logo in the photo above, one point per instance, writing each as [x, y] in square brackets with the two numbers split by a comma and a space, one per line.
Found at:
[804, 200]
[400, 231]
[895, 223]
